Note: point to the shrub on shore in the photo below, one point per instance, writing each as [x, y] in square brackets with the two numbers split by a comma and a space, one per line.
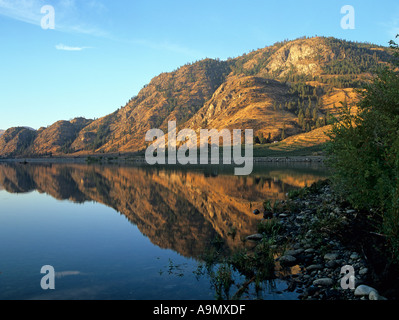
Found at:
[364, 152]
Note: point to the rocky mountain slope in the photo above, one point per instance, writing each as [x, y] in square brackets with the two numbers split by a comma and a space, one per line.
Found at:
[279, 91]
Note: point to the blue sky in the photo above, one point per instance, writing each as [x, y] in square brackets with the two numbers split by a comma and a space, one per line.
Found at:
[101, 53]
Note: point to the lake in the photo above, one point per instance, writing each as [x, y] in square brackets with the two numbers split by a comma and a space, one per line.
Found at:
[130, 232]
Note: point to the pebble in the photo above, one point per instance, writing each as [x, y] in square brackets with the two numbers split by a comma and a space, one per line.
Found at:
[363, 271]
[320, 271]
[364, 290]
[287, 260]
[354, 256]
[374, 296]
[255, 237]
[331, 264]
[331, 256]
[325, 282]
[293, 253]
[314, 267]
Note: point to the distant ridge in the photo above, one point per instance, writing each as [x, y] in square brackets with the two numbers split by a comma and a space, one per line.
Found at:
[280, 91]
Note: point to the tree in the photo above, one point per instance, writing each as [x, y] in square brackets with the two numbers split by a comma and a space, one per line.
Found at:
[262, 139]
[301, 118]
[283, 135]
[364, 152]
[308, 113]
[314, 115]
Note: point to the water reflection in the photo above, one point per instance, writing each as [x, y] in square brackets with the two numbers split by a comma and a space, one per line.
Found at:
[176, 208]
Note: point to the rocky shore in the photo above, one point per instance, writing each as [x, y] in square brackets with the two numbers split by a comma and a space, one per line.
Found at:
[317, 231]
[319, 159]
[125, 159]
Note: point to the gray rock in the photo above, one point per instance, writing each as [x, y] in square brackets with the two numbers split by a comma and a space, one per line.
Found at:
[331, 264]
[293, 253]
[287, 260]
[325, 282]
[314, 267]
[364, 290]
[255, 237]
[290, 253]
[363, 271]
[354, 256]
[334, 243]
[331, 256]
[310, 250]
[374, 296]
[300, 251]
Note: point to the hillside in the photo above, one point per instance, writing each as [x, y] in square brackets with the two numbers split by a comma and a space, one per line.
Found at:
[1, 132]
[280, 91]
[55, 139]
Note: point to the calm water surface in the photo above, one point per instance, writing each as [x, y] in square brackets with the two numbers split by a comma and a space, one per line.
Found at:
[120, 232]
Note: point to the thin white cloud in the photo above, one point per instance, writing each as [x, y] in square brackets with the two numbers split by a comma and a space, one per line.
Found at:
[22, 10]
[69, 48]
[69, 18]
[67, 15]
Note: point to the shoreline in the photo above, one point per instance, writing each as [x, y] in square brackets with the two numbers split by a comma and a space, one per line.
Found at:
[319, 159]
[141, 159]
[320, 235]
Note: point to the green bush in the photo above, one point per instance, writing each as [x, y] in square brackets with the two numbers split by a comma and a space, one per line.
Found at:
[364, 151]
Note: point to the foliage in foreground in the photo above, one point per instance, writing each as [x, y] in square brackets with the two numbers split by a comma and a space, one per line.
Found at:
[231, 276]
[364, 152]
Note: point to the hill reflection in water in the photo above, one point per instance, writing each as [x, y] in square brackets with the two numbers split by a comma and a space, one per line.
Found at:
[176, 208]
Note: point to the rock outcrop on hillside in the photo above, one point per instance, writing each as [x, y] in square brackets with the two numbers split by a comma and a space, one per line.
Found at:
[279, 91]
